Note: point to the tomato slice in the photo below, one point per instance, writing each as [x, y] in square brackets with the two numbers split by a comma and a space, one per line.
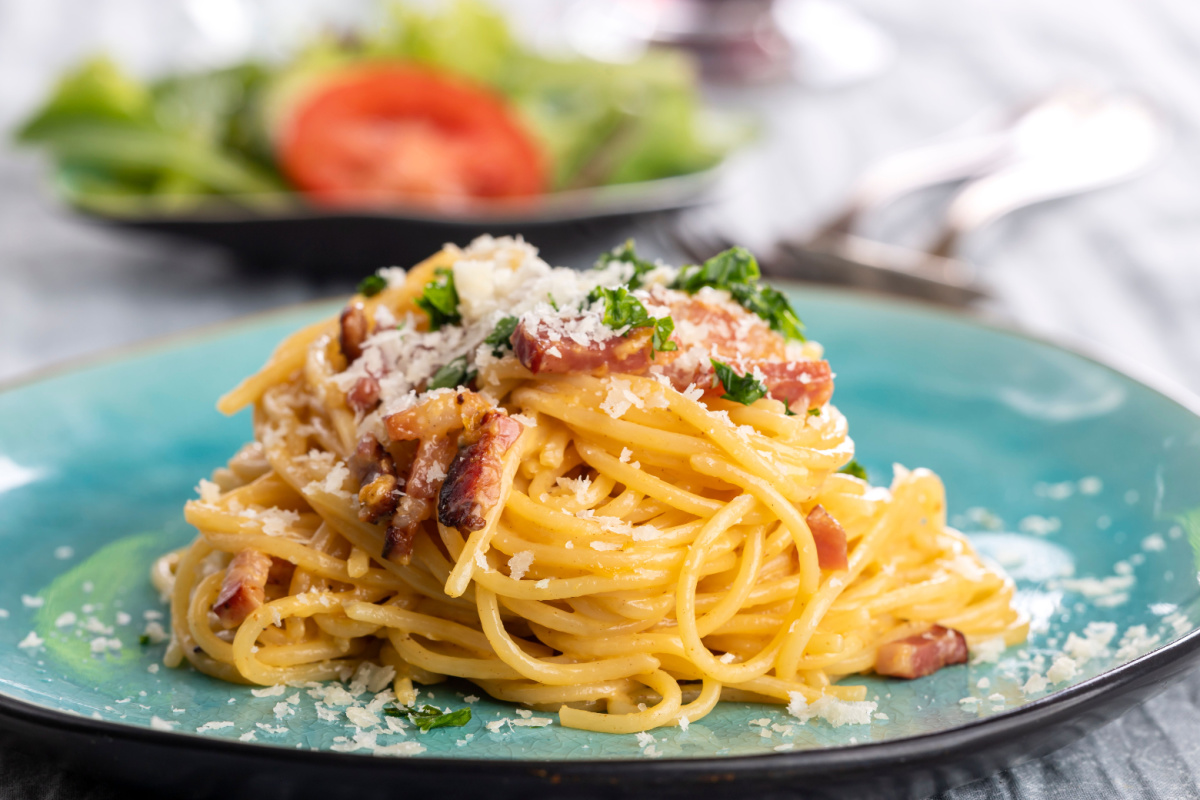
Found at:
[384, 133]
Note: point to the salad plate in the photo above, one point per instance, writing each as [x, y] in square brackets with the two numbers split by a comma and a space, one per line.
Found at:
[289, 235]
[1081, 480]
[378, 144]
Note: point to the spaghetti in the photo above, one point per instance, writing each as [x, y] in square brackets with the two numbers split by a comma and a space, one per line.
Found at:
[613, 494]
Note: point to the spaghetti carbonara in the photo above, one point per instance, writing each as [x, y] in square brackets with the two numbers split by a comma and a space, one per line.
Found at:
[615, 494]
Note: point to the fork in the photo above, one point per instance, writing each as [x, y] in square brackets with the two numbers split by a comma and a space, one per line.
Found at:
[1072, 141]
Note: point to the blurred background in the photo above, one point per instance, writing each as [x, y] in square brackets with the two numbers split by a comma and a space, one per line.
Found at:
[165, 165]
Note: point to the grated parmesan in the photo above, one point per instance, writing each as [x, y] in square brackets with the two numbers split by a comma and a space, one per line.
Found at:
[834, 711]
[31, 641]
[519, 564]
[1063, 669]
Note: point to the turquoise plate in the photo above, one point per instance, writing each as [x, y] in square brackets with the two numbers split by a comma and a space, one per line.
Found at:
[1080, 480]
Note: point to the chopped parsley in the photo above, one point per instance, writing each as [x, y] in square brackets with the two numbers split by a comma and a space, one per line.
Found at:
[744, 389]
[625, 254]
[440, 300]
[787, 410]
[371, 285]
[661, 342]
[734, 267]
[623, 311]
[144, 640]
[501, 334]
[428, 717]
[736, 271]
[451, 376]
[855, 469]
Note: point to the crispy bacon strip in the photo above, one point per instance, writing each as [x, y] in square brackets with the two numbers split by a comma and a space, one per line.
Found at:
[739, 337]
[379, 487]
[399, 540]
[433, 423]
[364, 394]
[354, 330]
[541, 351]
[366, 455]
[437, 416]
[830, 538]
[921, 655]
[801, 384]
[244, 588]
[472, 486]
[421, 490]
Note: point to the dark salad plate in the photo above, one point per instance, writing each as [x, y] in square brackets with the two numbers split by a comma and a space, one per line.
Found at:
[290, 235]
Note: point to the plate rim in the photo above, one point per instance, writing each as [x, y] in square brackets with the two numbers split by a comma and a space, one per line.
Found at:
[656, 195]
[948, 743]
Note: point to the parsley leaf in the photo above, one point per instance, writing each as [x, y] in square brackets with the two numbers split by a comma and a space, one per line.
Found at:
[787, 408]
[855, 469]
[661, 343]
[623, 310]
[144, 640]
[440, 300]
[627, 255]
[428, 717]
[814, 412]
[500, 335]
[733, 267]
[736, 271]
[371, 285]
[451, 376]
[744, 389]
[773, 306]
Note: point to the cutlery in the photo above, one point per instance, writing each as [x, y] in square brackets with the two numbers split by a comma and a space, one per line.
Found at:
[1072, 141]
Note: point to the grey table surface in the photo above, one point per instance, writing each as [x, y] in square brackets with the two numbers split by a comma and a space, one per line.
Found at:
[1117, 268]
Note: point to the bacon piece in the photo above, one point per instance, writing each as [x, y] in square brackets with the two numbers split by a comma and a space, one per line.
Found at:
[364, 394]
[366, 456]
[702, 329]
[732, 330]
[802, 384]
[430, 467]
[378, 498]
[541, 351]
[425, 478]
[399, 540]
[472, 486]
[923, 654]
[244, 588]
[437, 416]
[379, 488]
[354, 330]
[830, 538]
[281, 572]
[433, 423]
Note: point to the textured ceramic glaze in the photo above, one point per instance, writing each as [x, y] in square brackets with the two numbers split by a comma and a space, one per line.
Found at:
[1054, 463]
